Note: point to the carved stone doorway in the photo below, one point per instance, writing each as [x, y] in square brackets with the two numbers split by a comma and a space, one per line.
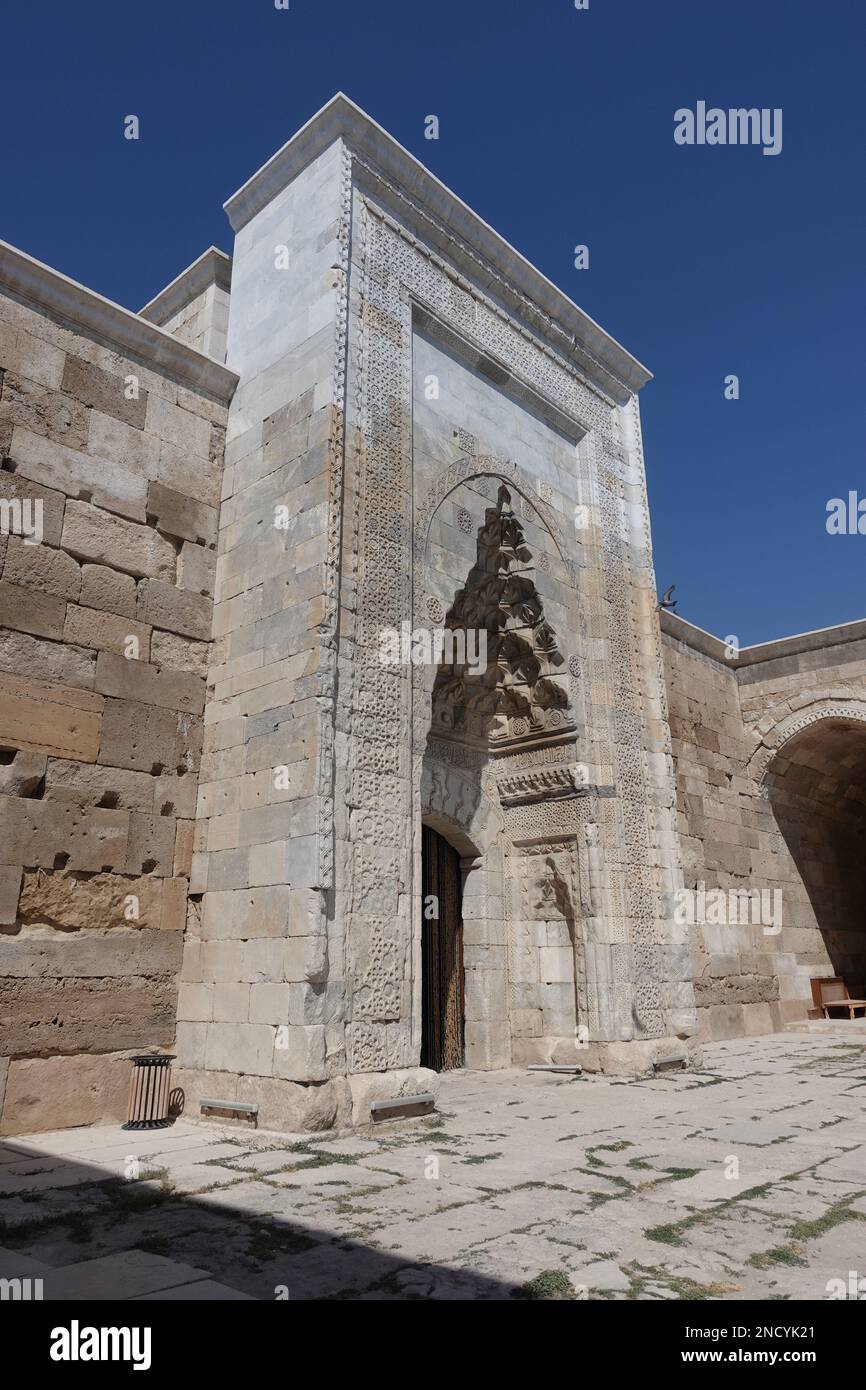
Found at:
[442, 1016]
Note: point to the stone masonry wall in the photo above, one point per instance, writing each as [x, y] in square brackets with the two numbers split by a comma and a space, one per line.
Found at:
[259, 1009]
[104, 644]
[770, 751]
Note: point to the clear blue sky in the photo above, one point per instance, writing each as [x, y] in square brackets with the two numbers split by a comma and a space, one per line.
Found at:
[557, 127]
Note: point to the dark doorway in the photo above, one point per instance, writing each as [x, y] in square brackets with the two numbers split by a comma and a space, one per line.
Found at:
[441, 955]
[816, 785]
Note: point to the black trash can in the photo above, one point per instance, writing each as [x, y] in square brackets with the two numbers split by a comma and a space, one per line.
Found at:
[149, 1088]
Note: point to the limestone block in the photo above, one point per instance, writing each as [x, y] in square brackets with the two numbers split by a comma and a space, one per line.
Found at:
[532, 1051]
[104, 391]
[525, 1023]
[94, 535]
[174, 796]
[292, 1108]
[220, 961]
[231, 1003]
[315, 1003]
[179, 515]
[133, 451]
[10, 887]
[164, 606]
[175, 908]
[49, 515]
[28, 610]
[366, 1087]
[194, 1003]
[123, 952]
[108, 590]
[79, 475]
[299, 1053]
[49, 718]
[35, 407]
[91, 785]
[486, 995]
[185, 473]
[269, 1003]
[21, 772]
[307, 912]
[197, 569]
[556, 964]
[241, 1047]
[149, 684]
[96, 840]
[151, 845]
[40, 568]
[99, 1013]
[488, 1045]
[146, 737]
[189, 1048]
[31, 355]
[306, 959]
[725, 1021]
[46, 1093]
[187, 430]
[61, 900]
[181, 654]
[106, 632]
[183, 847]
[757, 1019]
[256, 912]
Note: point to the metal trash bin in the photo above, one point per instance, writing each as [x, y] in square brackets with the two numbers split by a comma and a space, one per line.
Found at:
[149, 1088]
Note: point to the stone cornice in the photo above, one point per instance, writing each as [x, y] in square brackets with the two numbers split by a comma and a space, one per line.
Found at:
[86, 311]
[821, 639]
[212, 267]
[341, 119]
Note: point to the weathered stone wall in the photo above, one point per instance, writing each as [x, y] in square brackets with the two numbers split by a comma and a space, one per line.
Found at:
[260, 1008]
[770, 750]
[105, 623]
[194, 308]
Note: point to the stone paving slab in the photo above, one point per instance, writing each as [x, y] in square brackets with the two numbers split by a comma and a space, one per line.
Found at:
[624, 1186]
[202, 1291]
[15, 1265]
[129, 1275]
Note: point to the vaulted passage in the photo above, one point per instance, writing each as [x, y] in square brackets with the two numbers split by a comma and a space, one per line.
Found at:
[441, 955]
[817, 788]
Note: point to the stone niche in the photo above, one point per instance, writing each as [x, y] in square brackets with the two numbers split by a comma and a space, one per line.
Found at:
[456, 450]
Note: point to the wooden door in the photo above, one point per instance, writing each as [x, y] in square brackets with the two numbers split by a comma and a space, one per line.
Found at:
[441, 955]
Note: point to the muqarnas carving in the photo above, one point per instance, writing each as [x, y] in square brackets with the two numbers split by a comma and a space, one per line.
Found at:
[522, 691]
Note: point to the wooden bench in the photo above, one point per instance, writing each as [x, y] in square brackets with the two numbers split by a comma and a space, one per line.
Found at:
[833, 994]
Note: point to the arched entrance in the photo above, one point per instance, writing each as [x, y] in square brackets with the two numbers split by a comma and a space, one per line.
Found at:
[816, 787]
[442, 976]
[501, 738]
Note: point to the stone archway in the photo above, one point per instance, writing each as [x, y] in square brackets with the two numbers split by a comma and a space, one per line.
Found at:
[814, 784]
[514, 699]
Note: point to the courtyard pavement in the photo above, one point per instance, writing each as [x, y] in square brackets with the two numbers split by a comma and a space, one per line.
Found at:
[744, 1180]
